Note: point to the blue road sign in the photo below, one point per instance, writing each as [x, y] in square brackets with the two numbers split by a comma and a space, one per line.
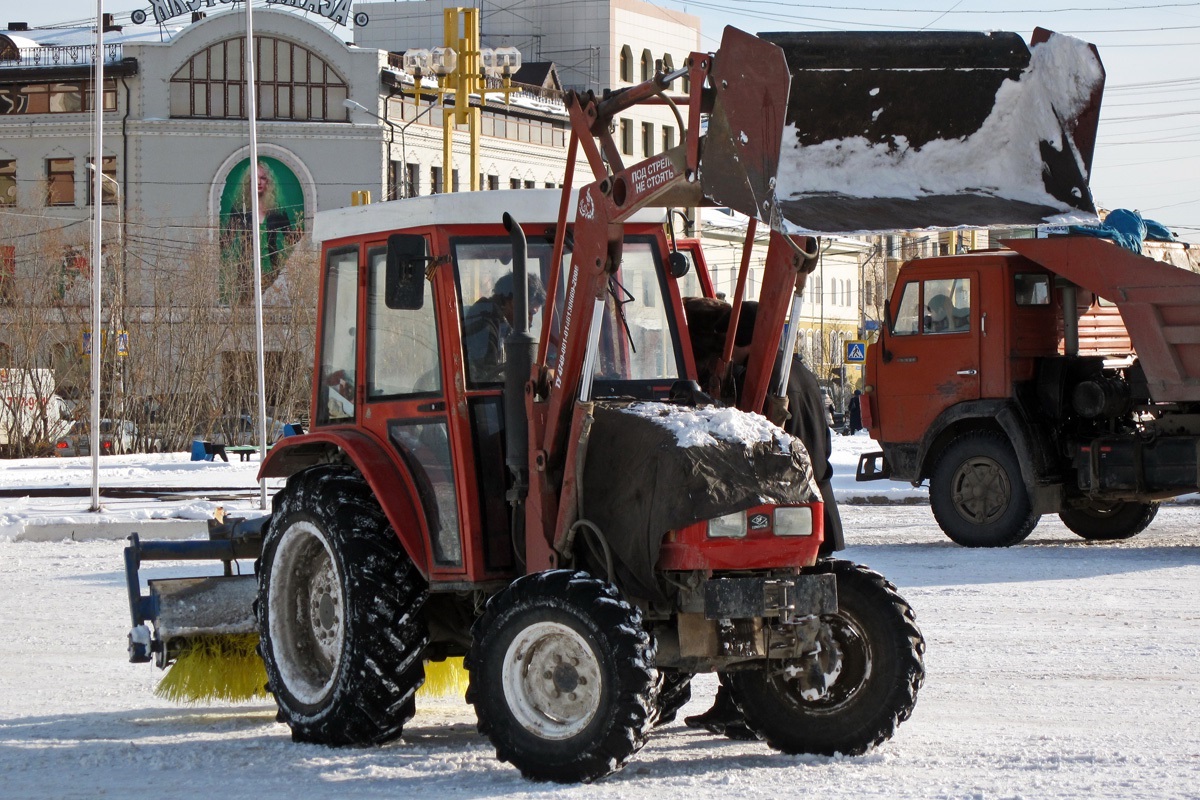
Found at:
[856, 352]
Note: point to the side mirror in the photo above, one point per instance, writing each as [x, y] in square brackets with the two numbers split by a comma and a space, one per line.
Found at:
[678, 264]
[404, 285]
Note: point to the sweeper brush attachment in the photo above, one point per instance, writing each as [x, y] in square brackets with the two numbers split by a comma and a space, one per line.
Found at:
[216, 668]
[444, 679]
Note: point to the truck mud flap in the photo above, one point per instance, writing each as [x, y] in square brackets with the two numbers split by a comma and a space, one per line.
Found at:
[912, 130]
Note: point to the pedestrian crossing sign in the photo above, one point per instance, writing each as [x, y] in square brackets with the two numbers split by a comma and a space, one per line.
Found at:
[856, 352]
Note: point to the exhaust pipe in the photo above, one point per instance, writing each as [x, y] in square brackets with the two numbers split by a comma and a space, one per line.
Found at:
[520, 349]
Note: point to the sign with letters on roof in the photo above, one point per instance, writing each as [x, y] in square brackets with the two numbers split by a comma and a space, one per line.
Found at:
[334, 10]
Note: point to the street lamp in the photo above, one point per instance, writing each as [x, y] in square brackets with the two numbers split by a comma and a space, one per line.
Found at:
[355, 105]
[120, 298]
[96, 351]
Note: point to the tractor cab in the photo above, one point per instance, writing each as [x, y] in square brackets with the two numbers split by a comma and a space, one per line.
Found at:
[413, 317]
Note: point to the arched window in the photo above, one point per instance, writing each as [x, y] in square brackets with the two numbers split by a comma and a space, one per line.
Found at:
[626, 64]
[293, 83]
[668, 63]
[647, 65]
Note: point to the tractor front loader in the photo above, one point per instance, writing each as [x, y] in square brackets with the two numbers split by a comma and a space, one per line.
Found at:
[578, 519]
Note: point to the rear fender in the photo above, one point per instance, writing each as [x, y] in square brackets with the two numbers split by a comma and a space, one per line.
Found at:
[389, 479]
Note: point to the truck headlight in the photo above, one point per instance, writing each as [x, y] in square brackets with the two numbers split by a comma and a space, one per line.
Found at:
[794, 521]
[730, 526]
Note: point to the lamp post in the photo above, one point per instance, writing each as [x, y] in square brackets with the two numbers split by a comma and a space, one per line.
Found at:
[355, 105]
[119, 302]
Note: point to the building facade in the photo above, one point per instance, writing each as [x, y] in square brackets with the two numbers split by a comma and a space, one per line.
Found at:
[178, 181]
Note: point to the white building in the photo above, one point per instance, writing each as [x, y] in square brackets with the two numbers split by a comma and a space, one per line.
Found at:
[595, 44]
[176, 147]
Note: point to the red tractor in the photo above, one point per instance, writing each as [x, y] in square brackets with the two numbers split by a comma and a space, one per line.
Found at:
[570, 512]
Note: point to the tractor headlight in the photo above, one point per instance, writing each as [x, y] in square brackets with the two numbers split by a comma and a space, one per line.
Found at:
[796, 521]
[730, 526]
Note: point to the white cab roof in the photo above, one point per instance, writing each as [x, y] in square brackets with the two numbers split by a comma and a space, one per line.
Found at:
[528, 206]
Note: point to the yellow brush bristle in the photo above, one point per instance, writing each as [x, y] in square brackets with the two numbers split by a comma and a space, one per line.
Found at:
[216, 668]
[447, 678]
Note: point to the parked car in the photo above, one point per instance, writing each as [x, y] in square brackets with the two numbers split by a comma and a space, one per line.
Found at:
[116, 437]
[238, 430]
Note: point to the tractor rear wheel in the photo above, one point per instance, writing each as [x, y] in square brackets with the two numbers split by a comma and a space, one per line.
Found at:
[562, 677]
[977, 494]
[339, 612]
[1103, 522]
[871, 688]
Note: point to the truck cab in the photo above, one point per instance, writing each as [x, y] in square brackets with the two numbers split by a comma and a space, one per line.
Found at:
[995, 377]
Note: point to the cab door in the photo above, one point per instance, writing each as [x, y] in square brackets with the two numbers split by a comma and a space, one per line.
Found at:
[930, 359]
[404, 402]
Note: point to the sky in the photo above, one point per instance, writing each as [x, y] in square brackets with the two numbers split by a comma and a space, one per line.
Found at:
[1148, 152]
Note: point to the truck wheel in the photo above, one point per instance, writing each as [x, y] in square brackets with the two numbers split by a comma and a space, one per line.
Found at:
[673, 694]
[339, 612]
[872, 689]
[562, 678]
[1102, 522]
[977, 494]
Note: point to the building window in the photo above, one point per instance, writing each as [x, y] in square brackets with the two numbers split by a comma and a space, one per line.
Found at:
[60, 181]
[8, 182]
[8, 275]
[648, 138]
[454, 180]
[293, 83]
[549, 184]
[626, 64]
[435, 178]
[413, 178]
[647, 65]
[668, 137]
[493, 182]
[668, 63]
[75, 269]
[54, 98]
[627, 137]
[108, 189]
[530, 184]
[395, 180]
[514, 183]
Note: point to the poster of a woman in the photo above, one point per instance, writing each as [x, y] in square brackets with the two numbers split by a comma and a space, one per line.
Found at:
[281, 223]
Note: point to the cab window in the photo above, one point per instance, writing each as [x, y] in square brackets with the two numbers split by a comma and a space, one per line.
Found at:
[402, 347]
[336, 393]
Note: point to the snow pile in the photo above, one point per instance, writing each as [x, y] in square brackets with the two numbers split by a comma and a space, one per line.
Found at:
[1001, 159]
[697, 427]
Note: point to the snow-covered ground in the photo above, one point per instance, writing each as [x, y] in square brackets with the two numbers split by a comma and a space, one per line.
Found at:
[1056, 669]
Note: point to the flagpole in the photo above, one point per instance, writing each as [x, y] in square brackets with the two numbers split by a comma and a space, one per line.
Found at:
[97, 217]
[256, 239]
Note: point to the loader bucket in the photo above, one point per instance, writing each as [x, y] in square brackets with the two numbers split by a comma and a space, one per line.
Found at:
[913, 130]
[745, 126]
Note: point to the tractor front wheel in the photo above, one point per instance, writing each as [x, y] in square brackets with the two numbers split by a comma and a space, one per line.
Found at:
[339, 612]
[562, 678]
[977, 494]
[871, 682]
[1104, 522]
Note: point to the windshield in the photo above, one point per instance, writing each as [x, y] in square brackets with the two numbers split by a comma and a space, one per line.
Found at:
[637, 342]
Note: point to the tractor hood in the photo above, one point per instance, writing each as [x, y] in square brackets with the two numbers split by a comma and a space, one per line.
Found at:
[656, 467]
